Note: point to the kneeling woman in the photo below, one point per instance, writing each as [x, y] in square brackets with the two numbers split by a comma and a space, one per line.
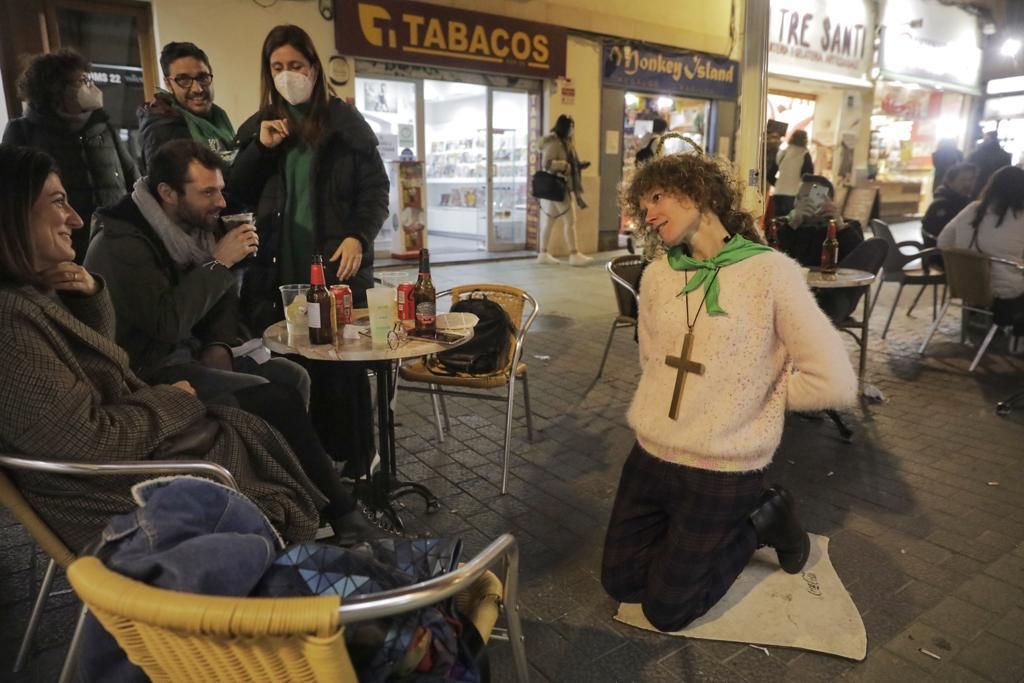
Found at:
[70, 395]
[730, 338]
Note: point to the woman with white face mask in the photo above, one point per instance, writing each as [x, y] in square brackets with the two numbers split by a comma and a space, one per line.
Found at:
[65, 118]
[308, 166]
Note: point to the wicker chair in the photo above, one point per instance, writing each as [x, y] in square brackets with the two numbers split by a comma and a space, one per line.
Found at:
[50, 542]
[969, 279]
[515, 302]
[184, 637]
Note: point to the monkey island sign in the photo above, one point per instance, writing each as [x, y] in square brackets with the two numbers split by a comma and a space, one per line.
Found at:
[419, 33]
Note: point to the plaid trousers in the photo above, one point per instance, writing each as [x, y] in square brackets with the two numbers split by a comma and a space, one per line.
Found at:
[678, 537]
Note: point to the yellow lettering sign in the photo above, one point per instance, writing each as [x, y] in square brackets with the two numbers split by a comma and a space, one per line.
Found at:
[478, 43]
[457, 36]
[541, 53]
[369, 15]
[499, 42]
[414, 22]
[435, 36]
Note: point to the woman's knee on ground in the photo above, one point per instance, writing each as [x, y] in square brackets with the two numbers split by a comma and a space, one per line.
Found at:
[668, 617]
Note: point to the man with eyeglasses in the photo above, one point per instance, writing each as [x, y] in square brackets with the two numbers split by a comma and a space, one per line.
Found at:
[185, 109]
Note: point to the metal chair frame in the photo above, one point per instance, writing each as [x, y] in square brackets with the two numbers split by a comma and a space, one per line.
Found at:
[31, 520]
[893, 271]
[231, 619]
[623, 319]
[438, 393]
[987, 295]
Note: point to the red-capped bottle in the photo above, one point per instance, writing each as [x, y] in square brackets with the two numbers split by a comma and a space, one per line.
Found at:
[319, 304]
[830, 250]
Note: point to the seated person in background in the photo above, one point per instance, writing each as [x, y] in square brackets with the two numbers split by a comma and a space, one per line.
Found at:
[802, 231]
[646, 145]
[71, 395]
[950, 199]
[167, 263]
[994, 225]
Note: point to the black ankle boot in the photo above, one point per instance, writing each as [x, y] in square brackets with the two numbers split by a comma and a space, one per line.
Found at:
[777, 526]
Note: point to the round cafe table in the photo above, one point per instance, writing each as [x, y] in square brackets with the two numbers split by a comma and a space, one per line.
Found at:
[841, 279]
[382, 489]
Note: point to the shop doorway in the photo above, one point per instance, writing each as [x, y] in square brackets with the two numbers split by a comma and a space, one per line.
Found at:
[684, 115]
[474, 141]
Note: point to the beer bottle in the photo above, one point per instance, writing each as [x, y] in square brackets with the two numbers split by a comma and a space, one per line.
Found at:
[425, 296]
[830, 249]
[319, 304]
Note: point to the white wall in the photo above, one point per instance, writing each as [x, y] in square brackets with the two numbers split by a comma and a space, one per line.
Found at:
[231, 32]
[583, 67]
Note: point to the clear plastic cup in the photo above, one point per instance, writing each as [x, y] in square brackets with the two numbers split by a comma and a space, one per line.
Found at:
[294, 299]
[381, 302]
[394, 278]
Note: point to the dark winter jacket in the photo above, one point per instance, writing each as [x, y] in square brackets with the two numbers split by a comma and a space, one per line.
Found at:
[351, 190]
[94, 166]
[989, 157]
[159, 305]
[945, 204]
[159, 122]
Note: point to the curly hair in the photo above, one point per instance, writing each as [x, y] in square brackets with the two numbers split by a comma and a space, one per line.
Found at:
[46, 76]
[708, 181]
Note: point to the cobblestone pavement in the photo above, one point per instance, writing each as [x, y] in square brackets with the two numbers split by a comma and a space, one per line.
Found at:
[924, 509]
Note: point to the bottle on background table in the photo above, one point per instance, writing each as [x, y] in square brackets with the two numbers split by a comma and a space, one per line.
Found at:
[830, 250]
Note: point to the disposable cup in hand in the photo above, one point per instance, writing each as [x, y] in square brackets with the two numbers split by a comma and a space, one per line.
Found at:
[381, 302]
[294, 299]
[235, 219]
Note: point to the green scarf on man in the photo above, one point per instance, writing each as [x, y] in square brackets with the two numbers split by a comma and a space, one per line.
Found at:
[216, 131]
[737, 249]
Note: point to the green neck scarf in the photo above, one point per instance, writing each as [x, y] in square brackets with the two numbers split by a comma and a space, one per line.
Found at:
[216, 131]
[735, 250]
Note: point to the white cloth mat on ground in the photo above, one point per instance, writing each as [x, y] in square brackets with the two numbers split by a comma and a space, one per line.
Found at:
[766, 606]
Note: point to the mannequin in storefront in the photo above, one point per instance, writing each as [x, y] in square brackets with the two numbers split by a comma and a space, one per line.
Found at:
[558, 156]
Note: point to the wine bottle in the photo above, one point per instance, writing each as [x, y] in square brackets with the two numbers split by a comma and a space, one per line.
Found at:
[319, 304]
[425, 297]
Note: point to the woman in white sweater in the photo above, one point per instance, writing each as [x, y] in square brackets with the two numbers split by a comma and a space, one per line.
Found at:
[721, 364]
[994, 225]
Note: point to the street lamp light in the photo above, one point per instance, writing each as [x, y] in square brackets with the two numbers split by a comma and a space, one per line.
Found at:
[1010, 48]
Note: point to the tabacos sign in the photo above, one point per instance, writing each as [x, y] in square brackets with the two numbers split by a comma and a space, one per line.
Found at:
[686, 73]
[442, 36]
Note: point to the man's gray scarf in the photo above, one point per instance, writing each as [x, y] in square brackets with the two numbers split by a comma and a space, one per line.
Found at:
[186, 249]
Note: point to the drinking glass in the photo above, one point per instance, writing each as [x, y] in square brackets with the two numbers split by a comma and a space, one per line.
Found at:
[235, 219]
[381, 302]
[294, 299]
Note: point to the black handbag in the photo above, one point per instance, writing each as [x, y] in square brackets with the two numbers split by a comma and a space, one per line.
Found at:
[549, 186]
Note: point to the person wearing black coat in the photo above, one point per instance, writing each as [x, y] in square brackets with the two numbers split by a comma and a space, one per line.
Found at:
[308, 164]
[988, 157]
[65, 118]
[951, 197]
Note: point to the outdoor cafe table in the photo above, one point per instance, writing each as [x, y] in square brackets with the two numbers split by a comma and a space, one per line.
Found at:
[847, 278]
[384, 487]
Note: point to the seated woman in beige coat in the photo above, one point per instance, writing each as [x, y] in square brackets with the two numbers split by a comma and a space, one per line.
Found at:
[69, 394]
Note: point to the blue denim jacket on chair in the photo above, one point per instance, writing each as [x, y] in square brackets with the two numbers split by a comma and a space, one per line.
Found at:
[189, 534]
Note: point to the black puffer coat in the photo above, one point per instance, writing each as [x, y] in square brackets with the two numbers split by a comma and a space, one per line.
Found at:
[94, 166]
[351, 190]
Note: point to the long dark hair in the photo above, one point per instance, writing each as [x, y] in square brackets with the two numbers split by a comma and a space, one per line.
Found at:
[1003, 192]
[708, 181]
[23, 173]
[315, 120]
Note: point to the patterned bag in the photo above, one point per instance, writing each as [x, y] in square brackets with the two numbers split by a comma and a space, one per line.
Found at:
[431, 644]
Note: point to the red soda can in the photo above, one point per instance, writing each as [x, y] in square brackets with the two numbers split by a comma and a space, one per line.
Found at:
[406, 306]
[342, 303]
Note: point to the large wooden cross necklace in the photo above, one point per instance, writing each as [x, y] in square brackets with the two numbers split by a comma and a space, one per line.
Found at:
[682, 362]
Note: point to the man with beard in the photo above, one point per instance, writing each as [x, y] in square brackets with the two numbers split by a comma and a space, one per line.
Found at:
[167, 261]
[186, 109]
